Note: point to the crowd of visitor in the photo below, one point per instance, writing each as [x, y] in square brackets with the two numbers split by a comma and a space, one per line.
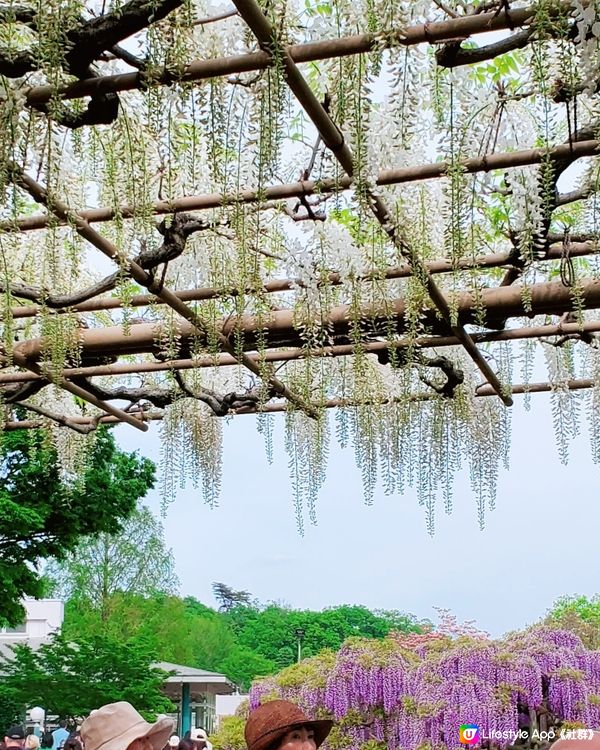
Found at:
[277, 725]
[62, 738]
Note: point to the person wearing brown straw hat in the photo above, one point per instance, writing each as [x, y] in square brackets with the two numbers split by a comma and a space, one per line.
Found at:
[118, 726]
[281, 725]
[589, 742]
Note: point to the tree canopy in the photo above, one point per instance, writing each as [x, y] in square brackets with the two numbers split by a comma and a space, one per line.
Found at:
[134, 560]
[72, 677]
[581, 614]
[362, 205]
[46, 510]
[246, 642]
[228, 598]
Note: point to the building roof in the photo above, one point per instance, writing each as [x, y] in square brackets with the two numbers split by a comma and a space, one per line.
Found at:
[185, 674]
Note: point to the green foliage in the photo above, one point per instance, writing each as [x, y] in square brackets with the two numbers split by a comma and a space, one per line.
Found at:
[70, 678]
[243, 665]
[244, 643]
[172, 627]
[579, 614]
[11, 707]
[230, 735]
[272, 629]
[43, 515]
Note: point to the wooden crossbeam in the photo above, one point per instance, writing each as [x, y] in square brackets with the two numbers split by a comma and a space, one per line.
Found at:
[339, 403]
[287, 355]
[434, 32]
[403, 175]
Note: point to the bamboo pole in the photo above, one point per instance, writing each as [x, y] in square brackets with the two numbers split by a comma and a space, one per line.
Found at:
[82, 227]
[339, 403]
[279, 329]
[287, 355]
[434, 170]
[331, 135]
[483, 262]
[199, 70]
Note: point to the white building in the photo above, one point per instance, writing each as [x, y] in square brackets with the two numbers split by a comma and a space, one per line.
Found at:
[43, 617]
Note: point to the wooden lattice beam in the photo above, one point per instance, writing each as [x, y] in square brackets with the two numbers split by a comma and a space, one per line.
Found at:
[44, 373]
[484, 392]
[483, 262]
[279, 328]
[435, 32]
[434, 170]
[287, 355]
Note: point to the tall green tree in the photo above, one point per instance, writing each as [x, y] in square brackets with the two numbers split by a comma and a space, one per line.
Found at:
[44, 516]
[71, 678]
[229, 598]
[133, 561]
[179, 631]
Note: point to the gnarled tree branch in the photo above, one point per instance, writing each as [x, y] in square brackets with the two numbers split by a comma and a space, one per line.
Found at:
[547, 180]
[221, 404]
[175, 231]
[86, 43]
[83, 429]
[100, 34]
[453, 54]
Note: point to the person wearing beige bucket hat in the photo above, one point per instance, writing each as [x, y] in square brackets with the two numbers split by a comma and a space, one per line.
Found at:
[118, 726]
[282, 725]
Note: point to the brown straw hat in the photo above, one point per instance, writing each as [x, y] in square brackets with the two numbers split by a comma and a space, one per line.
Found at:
[116, 725]
[271, 721]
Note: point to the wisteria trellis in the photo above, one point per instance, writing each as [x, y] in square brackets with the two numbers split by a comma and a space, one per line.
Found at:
[415, 691]
[350, 192]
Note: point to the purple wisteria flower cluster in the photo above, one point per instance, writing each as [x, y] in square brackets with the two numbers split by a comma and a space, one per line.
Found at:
[412, 693]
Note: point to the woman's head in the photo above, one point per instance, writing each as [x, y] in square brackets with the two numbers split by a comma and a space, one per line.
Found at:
[300, 738]
[47, 740]
[281, 725]
[32, 742]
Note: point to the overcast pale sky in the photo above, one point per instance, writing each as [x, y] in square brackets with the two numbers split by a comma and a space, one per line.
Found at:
[541, 542]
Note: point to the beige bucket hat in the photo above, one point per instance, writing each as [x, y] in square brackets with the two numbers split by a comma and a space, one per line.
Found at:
[116, 725]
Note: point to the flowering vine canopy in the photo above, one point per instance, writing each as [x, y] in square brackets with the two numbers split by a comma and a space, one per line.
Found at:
[384, 207]
[416, 691]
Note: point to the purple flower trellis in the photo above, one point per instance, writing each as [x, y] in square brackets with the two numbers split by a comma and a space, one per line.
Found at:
[408, 698]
